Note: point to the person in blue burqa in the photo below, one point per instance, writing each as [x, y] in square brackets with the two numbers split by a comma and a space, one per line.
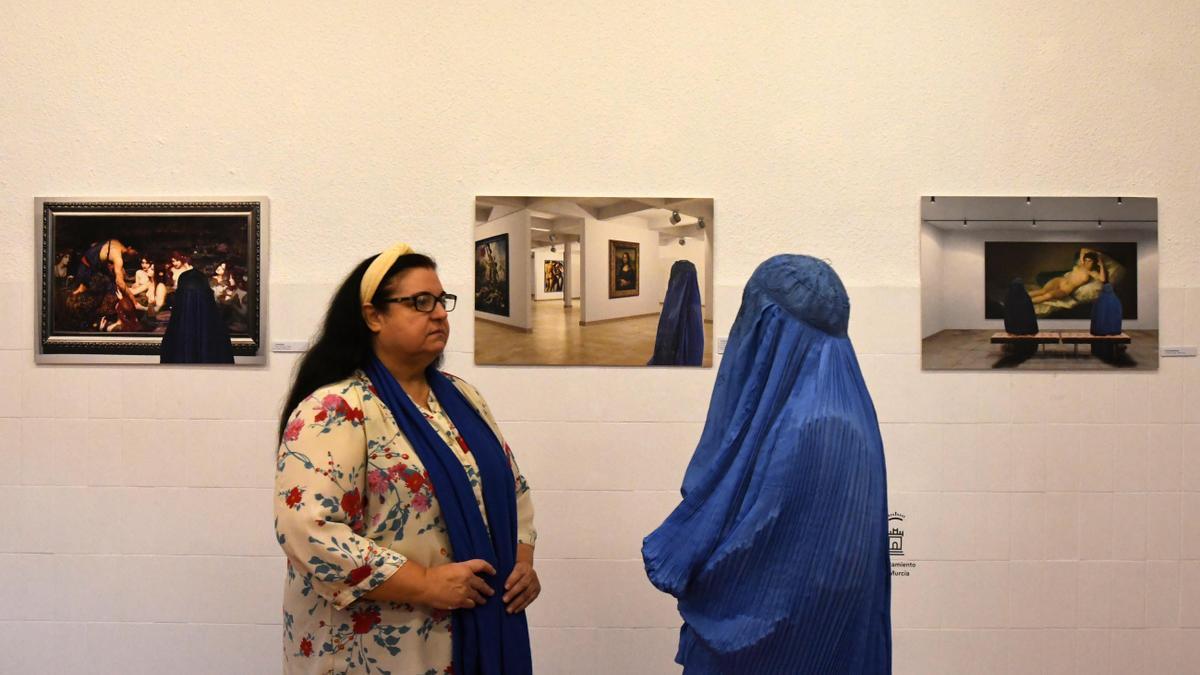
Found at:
[1106, 320]
[196, 333]
[778, 553]
[680, 338]
[1019, 317]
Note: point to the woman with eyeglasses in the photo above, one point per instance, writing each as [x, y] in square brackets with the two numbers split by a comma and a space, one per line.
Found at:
[407, 524]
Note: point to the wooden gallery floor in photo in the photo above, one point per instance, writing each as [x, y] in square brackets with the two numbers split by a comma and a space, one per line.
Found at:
[558, 339]
[975, 350]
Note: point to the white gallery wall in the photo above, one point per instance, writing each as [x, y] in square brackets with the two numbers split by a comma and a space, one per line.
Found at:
[693, 250]
[597, 234]
[954, 289]
[1053, 518]
[932, 315]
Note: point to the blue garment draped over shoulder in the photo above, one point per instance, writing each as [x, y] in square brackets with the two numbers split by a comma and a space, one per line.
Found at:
[680, 338]
[778, 552]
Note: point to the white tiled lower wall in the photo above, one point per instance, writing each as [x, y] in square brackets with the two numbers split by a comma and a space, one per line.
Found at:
[1054, 519]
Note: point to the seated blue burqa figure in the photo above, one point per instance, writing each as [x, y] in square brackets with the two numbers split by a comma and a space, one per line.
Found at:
[778, 552]
[196, 333]
[680, 338]
[1106, 320]
[1019, 317]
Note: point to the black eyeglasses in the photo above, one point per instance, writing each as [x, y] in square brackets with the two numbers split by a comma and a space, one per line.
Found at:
[424, 302]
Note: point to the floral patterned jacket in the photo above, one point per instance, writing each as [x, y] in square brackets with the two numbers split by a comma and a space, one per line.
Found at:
[353, 504]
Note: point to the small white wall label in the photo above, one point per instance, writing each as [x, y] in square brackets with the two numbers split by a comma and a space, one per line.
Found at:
[289, 346]
[1178, 351]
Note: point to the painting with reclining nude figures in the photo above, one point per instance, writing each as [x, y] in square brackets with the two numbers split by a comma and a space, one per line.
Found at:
[1037, 283]
[114, 276]
[1063, 279]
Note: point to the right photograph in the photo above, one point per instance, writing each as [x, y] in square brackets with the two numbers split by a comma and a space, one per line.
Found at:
[1039, 283]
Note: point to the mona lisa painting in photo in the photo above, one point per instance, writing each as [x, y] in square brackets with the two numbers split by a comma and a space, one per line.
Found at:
[623, 262]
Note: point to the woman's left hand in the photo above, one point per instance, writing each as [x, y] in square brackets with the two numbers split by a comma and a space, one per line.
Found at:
[522, 587]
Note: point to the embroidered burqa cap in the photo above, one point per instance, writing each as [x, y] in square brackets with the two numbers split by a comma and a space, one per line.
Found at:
[778, 552]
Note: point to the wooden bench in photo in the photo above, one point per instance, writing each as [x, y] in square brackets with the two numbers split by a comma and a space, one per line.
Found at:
[1082, 337]
[1042, 339]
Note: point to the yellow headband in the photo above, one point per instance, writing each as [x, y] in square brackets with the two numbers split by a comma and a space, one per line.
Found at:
[379, 267]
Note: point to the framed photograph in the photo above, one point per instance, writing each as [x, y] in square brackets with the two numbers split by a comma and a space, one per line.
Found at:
[623, 269]
[1030, 283]
[593, 281]
[173, 281]
[552, 277]
[491, 275]
[1063, 279]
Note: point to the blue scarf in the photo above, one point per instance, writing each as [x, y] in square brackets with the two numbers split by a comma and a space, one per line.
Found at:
[487, 639]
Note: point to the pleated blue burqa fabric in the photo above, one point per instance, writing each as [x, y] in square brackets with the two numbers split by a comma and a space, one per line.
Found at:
[1019, 317]
[1106, 320]
[778, 553]
[680, 338]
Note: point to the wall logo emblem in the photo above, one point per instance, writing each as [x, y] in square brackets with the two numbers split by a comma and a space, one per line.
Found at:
[896, 534]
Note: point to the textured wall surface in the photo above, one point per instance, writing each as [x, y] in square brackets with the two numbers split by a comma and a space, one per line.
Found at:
[1054, 519]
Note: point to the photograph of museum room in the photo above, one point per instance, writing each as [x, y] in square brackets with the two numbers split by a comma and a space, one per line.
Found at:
[1039, 283]
[593, 281]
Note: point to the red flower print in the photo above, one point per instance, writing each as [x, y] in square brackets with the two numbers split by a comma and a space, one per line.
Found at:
[352, 504]
[420, 503]
[335, 403]
[365, 619]
[463, 444]
[306, 647]
[293, 429]
[294, 497]
[378, 481]
[320, 417]
[358, 574]
[395, 472]
[354, 415]
[414, 480]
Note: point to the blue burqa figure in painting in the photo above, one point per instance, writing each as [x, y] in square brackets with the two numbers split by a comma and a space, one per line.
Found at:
[1106, 320]
[680, 338]
[1019, 317]
[778, 552]
[196, 333]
